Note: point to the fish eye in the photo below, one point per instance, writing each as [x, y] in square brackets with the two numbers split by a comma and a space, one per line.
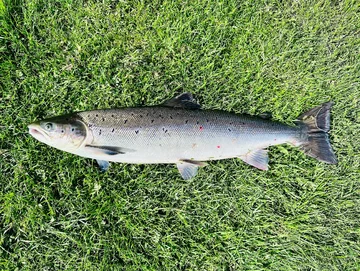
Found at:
[48, 126]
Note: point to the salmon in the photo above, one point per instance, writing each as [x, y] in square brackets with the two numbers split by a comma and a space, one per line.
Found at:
[179, 132]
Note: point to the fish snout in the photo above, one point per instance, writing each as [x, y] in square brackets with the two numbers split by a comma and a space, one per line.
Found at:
[37, 132]
[33, 128]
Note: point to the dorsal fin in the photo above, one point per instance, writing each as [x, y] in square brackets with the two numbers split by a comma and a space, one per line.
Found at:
[265, 115]
[184, 100]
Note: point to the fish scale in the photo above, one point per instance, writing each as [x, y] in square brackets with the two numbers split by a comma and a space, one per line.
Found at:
[179, 132]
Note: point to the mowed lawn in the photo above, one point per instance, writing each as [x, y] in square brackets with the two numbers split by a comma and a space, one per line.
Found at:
[58, 212]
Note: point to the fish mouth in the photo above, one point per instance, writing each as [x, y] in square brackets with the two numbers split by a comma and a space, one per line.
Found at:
[38, 133]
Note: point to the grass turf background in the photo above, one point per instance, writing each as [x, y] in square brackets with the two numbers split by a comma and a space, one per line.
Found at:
[57, 210]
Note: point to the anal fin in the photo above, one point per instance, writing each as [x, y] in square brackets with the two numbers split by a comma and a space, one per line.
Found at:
[257, 158]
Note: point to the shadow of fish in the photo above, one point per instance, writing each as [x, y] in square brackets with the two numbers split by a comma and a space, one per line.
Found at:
[179, 132]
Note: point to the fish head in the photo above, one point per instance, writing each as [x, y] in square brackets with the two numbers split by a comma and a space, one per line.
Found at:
[65, 133]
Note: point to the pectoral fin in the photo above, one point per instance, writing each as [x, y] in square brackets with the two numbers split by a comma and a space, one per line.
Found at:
[109, 150]
[104, 165]
[188, 168]
[257, 158]
[184, 100]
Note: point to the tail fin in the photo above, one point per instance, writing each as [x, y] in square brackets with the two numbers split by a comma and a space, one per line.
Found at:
[317, 125]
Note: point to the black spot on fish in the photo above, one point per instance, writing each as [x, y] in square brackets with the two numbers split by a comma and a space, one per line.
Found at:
[100, 132]
[229, 129]
[161, 116]
[103, 119]
[112, 115]
[171, 117]
[152, 121]
[112, 130]
[186, 121]
[125, 121]
[90, 125]
[140, 116]
[96, 115]
[197, 122]
[132, 114]
[165, 131]
[72, 129]
[137, 131]
[62, 131]
[243, 123]
[230, 123]
[207, 120]
[147, 114]
[88, 116]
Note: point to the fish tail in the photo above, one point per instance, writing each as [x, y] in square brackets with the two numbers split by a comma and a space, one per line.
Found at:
[315, 140]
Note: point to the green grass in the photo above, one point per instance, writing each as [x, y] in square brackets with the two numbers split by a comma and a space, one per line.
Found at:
[58, 212]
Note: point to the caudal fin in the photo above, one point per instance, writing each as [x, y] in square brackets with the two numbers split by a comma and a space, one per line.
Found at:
[317, 125]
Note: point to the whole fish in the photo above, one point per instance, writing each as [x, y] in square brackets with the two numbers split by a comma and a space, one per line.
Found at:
[179, 132]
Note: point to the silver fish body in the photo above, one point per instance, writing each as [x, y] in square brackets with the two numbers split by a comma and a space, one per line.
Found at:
[179, 132]
[167, 135]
